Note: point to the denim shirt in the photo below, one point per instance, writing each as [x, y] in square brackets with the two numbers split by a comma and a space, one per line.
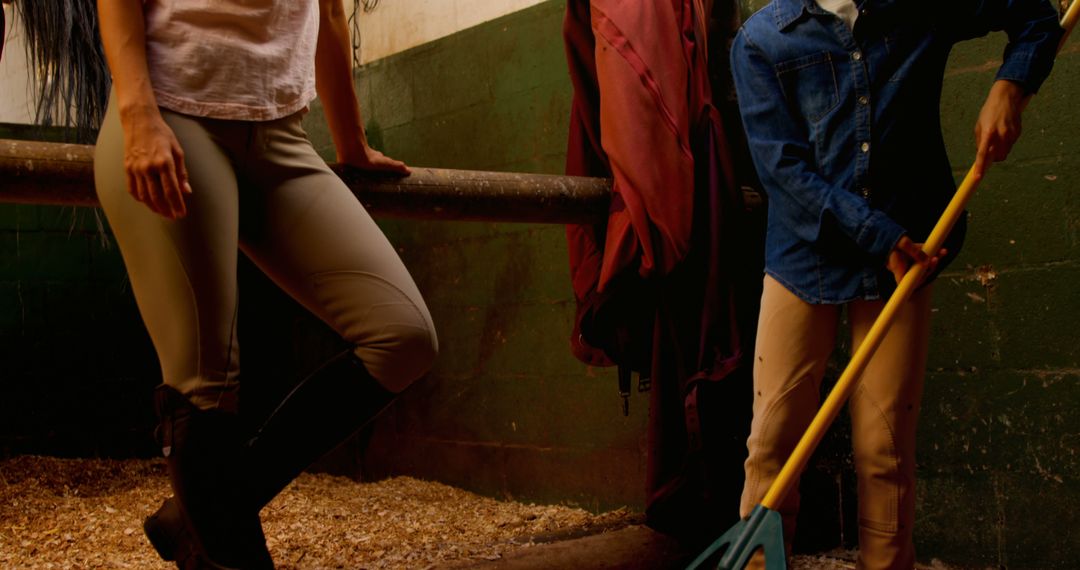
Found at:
[844, 127]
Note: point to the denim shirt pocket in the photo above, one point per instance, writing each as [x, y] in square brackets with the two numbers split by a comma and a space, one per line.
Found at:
[810, 84]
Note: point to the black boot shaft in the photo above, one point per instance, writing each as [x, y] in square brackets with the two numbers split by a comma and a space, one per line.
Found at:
[322, 411]
[204, 451]
[325, 409]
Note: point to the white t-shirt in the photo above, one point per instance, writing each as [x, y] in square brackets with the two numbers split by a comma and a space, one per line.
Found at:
[844, 9]
[248, 60]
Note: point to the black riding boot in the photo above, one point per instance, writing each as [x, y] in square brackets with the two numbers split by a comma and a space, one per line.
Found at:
[327, 407]
[207, 524]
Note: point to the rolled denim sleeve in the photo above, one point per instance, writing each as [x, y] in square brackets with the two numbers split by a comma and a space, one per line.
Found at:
[1034, 33]
[804, 201]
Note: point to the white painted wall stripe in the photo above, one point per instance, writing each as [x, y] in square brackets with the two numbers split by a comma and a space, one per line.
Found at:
[397, 25]
[14, 82]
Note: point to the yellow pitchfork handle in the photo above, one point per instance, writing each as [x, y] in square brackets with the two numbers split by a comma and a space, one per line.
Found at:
[1068, 21]
[848, 380]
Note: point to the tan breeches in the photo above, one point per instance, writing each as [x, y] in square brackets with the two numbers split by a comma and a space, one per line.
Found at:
[794, 342]
[258, 187]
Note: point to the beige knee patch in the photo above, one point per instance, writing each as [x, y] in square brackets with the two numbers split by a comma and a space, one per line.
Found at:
[392, 332]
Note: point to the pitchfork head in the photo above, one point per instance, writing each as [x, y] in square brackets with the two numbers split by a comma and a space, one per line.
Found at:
[763, 529]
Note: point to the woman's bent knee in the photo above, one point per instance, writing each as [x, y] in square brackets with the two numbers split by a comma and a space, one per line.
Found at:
[388, 323]
[403, 355]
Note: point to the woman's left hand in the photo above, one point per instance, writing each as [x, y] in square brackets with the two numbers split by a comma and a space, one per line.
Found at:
[372, 160]
[999, 126]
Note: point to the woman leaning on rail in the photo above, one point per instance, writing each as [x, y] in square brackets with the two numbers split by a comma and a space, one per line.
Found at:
[201, 154]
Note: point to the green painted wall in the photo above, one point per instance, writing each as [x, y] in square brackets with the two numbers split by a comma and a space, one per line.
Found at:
[507, 411]
[76, 365]
[1000, 438]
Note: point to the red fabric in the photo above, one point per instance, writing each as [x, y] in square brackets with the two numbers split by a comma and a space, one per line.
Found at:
[584, 157]
[635, 58]
[645, 123]
[641, 91]
[645, 119]
[654, 283]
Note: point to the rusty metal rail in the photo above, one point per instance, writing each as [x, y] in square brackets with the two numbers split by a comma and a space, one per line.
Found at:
[50, 173]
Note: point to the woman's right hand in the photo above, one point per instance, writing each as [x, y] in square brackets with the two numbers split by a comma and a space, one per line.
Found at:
[907, 253]
[154, 163]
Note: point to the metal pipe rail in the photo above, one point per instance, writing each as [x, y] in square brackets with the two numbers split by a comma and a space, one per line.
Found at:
[33, 172]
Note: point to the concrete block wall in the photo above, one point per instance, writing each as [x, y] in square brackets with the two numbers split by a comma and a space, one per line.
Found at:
[76, 365]
[392, 27]
[507, 411]
[999, 441]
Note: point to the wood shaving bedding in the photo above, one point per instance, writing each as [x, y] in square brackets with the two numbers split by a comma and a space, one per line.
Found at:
[87, 514]
[77, 513]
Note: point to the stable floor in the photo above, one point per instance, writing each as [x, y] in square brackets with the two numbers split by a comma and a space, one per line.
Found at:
[73, 513]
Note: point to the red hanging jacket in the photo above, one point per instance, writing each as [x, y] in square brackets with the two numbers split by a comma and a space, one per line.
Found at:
[653, 291]
[641, 97]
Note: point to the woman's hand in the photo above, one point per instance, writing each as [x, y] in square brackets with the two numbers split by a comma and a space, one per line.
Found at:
[999, 126]
[372, 160]
[908, 253]
[154, 163]
[334, 82]
[153, 159]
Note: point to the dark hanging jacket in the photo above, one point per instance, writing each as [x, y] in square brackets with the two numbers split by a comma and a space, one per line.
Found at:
[654, 295]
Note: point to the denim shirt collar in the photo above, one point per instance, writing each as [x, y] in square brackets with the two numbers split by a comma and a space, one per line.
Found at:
[787, 12]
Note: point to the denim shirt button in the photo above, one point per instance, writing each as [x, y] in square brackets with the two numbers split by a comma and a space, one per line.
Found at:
[865, 193]
[865, 147]
[863, 100]
[856, 55]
